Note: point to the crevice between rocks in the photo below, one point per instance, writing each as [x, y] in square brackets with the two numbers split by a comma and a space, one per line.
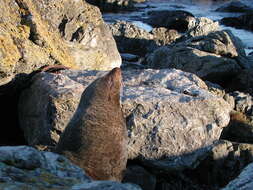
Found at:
[62, 26]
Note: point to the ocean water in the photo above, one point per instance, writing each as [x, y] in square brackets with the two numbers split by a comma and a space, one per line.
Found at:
[199, 8]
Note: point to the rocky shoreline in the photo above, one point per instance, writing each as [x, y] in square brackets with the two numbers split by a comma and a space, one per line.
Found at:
[187, 94]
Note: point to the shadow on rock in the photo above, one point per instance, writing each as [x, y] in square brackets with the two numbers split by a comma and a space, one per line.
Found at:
[239, 129]
[11, 134]
[219, 165]
[135, 46]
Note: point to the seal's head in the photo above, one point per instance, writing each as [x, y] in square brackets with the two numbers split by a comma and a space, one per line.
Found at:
[106, 88]
[113, 81]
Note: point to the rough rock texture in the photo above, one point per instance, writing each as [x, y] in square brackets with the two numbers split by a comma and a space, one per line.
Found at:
[216, 89]
[215, 57]
[26, 42]
[241, 22]
[138, 175]
[177, 20]
[160, 105]
[243, 102]
[169, 114]
[240, 128]
[48, 91]
[201, 26]
[133, 39]
[164, 36]
[91, 42]
[28, 167]
[235, 6]
[38, 33]
[243, 181]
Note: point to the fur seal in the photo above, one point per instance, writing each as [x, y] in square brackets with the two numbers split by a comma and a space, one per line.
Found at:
[96, 137]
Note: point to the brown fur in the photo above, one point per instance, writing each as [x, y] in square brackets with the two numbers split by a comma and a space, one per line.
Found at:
[96, 137]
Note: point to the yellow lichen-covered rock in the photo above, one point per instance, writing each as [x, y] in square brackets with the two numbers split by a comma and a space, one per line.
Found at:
[85, 32]
[9, 51]
[19, 52]
[38, 33]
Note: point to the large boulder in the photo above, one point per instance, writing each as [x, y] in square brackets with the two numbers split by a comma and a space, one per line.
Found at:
[88, 38]
[26, 42]
[164, 36]
[56, 91]
[216, 57]
[201, 26]
[38, 33]
[171, 117]
[23, 167]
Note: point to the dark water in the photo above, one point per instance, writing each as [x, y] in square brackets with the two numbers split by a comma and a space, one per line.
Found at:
[199, 8]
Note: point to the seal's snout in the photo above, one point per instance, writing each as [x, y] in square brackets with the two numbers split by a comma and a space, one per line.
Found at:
[115, 73]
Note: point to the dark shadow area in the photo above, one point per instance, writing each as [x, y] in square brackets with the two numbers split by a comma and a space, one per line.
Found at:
[242, 82]
[62, 26]
[135, 46]
[239, 129]
[242, 22]
[171, 19]
[116, 7]
[212, 173]
[11, 134]
[223, 79]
